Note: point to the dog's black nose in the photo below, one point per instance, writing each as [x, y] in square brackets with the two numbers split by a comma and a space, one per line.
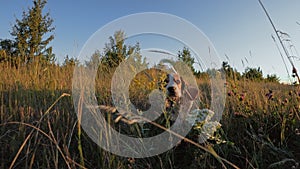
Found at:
[171, 90]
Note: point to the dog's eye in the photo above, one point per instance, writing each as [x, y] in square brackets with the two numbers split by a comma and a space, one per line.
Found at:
[177, 81]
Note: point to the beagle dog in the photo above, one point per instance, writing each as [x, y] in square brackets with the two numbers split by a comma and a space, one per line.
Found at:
[174, 86]
[176, 89]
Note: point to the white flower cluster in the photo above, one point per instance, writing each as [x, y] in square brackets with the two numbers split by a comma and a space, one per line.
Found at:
[201, 120]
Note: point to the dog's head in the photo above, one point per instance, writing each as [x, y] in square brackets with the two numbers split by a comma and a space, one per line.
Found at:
[174, 85]
[177, 88]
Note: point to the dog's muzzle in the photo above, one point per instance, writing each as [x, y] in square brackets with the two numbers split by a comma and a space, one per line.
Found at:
[171, 91]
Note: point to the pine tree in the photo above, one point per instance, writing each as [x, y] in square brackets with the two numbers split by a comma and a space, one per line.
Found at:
[117, 51]
[186, 57]
[30, 34]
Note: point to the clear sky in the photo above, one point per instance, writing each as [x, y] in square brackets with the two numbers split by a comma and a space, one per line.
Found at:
[237, 28]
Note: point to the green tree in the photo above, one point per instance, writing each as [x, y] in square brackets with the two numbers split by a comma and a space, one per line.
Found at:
[7, 45]
[186, 57]
[254, 74]
[230, 72]
[272, 78]
[7, 52]
[70, 61]
[30, 34]
[117, 51]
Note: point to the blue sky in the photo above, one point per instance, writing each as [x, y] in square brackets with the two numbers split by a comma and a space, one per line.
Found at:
[238, 29]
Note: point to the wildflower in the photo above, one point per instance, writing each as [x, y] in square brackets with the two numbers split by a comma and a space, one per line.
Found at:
[131, 162]
[201, 121]
[200, 115]
[269, 95]
[239, 114]
[242, 96]
[284, 102]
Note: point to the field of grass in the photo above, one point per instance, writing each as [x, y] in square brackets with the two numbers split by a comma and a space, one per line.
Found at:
[39, 127]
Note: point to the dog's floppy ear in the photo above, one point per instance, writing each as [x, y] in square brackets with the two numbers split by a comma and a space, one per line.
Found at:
[183, 84]
[167, 79]
[190, 91]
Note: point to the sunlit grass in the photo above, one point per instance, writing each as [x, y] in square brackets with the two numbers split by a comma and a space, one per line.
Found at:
[260, 124]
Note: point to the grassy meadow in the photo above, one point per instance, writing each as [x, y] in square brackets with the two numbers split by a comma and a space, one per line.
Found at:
[39, 128]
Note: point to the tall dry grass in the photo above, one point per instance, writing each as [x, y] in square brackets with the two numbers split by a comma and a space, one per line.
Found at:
[39, 129]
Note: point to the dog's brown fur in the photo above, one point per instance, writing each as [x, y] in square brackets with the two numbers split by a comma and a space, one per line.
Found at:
[177, 92]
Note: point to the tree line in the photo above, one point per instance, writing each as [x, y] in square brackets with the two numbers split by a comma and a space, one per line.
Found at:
[32, 34]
